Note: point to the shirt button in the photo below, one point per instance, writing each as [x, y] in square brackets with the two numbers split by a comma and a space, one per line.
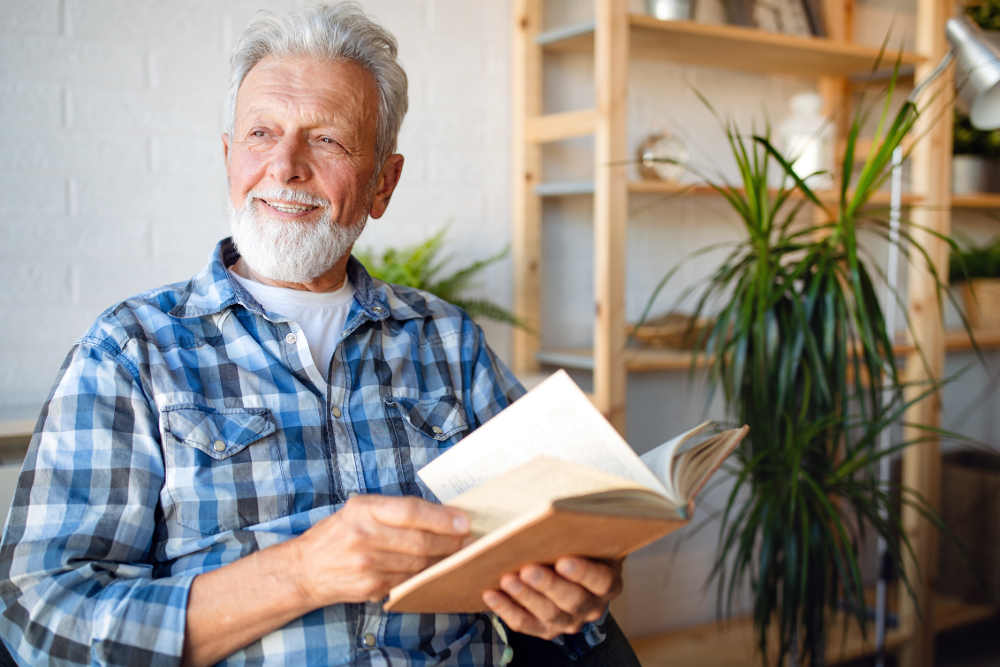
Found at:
[353, 494]
[290, 339]
[377, 309]
[335, 411]
[219, 446]
[438, 430]
[369, 640]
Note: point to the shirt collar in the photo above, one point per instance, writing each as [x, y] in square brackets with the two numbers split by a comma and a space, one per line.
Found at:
[213, 290]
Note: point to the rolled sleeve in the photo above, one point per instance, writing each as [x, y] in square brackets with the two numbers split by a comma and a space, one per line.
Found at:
[77, 585]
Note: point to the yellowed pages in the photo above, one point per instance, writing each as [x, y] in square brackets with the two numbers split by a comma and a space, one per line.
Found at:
[555, 420]
[532, 486]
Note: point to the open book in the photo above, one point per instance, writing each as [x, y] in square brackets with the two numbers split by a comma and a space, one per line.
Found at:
[550, 477]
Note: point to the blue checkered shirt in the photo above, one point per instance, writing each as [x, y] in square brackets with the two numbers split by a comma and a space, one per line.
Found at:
[188, 428]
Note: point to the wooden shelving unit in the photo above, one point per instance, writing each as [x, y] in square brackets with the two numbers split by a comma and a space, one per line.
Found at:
[615, 38]
[647, 359]
[728, 47]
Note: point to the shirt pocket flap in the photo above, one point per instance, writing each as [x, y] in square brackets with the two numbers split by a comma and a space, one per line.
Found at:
[218, 433]
[438, 418]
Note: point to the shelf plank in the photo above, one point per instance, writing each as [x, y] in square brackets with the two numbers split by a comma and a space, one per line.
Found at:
[564, 188]
[732, 645]
[979, 200]
[957, 340]
[731, 47]
[650, 359]
[650, 187]
[827, 196]
[17, 428]
[638, 360]
[559, 126]
[984, 200]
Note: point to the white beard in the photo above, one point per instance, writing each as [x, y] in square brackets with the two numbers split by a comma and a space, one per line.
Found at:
[286, 251]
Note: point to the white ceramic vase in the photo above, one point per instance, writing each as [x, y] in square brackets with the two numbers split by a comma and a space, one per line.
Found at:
[969, 174]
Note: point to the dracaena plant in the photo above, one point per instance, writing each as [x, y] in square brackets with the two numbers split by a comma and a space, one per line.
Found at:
[801, 353]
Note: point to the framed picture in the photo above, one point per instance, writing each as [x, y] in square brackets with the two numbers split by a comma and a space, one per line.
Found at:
[740, 12]
[814, 13]
[785, 16]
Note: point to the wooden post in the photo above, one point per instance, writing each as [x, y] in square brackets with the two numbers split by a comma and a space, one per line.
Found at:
[922, 463]
[610, 208]
[526, 76]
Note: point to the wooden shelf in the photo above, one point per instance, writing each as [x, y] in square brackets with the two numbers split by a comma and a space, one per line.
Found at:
[986, 200]
[730, 47]
[638, 360]
[981, 200]
[649, 359]
[957, 340]
[827, 196]
[732, 645]
[574, 188]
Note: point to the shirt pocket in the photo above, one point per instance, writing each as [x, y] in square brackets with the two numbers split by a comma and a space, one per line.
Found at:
[431, 424]
[223, 472]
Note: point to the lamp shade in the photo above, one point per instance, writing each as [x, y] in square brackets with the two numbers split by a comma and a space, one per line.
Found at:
[978, 72]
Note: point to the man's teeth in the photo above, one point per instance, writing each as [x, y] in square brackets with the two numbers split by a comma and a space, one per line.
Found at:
[288, 208]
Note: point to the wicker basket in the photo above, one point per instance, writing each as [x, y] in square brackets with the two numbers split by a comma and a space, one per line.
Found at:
[673, 330]
[982, 303]
[970, 507]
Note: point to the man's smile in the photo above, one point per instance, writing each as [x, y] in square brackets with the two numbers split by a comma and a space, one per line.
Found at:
[288, 208]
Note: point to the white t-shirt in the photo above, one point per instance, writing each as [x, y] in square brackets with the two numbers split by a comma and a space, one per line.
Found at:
[321, 316]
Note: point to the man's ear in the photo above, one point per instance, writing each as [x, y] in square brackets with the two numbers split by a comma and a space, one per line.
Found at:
[387, 182]
[225, 150]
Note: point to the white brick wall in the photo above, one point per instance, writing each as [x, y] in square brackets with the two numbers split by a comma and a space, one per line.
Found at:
[111, 173]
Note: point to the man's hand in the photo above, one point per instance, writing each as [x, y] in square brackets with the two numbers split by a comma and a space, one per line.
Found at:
[373, 543]
[546, 602]
[356, 554]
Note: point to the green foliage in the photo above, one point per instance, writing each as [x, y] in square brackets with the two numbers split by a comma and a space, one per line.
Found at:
[801, 353]
[420, 266]
[975, 261]
[970, 141]
[985, 14]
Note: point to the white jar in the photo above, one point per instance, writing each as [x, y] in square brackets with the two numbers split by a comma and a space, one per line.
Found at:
[806, 139]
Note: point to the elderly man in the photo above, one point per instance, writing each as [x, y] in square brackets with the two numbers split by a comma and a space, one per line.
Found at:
[225, 469]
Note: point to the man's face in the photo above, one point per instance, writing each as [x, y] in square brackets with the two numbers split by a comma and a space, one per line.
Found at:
[303, 149]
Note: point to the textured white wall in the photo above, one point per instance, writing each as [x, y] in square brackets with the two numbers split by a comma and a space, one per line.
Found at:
[111, 171]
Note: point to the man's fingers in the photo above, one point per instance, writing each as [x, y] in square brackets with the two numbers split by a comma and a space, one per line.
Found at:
[415, 542]
[390, 562]
[410, 512]
[566, 595]
[537, 604]
[516, 618]
[601, 579]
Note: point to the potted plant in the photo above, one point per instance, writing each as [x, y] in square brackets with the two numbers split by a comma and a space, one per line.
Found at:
[800, 352]
[974, 153]
[420, 266]
[977, 269]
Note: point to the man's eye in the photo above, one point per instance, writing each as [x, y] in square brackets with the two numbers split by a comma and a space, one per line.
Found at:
[258, 133]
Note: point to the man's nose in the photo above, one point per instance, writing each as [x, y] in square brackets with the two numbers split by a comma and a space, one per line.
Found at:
[289, 161]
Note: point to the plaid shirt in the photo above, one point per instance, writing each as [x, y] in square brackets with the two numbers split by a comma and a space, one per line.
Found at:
[188, 428]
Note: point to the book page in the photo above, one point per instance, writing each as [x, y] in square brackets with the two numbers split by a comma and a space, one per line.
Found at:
[555, 420]
[660, 460]
[695, 466]
[530, 486]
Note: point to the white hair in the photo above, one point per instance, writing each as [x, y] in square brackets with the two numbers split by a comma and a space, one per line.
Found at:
[341, 32]
[288, 251]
